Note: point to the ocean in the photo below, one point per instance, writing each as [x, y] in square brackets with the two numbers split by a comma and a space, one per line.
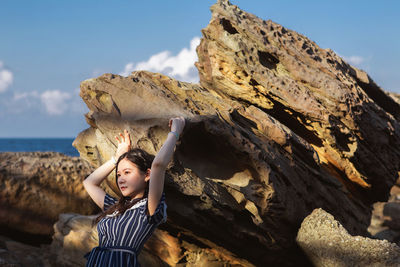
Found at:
[62, 145]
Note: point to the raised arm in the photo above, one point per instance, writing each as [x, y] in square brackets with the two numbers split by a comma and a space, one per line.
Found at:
[160, 163]
[93, 181]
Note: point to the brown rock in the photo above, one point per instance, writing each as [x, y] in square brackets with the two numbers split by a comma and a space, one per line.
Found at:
[385, 220]
[327, 243]
[333, 106]
[74, 236]
[37, 186]
[17, 254]
[277, 127]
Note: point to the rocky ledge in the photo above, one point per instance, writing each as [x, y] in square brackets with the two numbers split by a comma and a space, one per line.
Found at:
[36, 187]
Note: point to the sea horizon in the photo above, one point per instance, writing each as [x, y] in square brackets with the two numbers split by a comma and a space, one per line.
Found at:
[36, 137]
[39, 144]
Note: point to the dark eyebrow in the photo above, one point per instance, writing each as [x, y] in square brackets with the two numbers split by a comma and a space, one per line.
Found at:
[125, 169]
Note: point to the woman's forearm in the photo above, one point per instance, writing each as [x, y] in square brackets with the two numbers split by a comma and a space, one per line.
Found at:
[164, 156]
[100, 173]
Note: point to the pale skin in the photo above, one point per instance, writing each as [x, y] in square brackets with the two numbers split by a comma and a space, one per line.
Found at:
[131, 180]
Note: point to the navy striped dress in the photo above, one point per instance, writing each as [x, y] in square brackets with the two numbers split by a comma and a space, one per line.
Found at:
[121, 237]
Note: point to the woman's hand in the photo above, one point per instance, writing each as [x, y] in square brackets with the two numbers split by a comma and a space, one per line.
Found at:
[177, 124]
[124, 145]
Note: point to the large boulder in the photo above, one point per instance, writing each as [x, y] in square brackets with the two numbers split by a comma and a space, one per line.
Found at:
[276, 128]
[327, 243]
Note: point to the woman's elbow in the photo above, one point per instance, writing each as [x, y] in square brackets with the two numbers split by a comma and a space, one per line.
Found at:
[86, 182]
[159, 165]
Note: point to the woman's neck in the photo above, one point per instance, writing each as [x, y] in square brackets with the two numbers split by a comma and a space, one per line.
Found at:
[135, 196]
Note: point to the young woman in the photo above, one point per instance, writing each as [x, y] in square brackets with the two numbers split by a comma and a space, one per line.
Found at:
[126, 224]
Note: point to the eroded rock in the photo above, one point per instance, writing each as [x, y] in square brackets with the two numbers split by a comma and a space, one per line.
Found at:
[276, 128]
[385, 221]
[37, 186]
[327, 243]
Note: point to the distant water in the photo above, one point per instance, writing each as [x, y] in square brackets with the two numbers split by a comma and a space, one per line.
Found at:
[62, 145]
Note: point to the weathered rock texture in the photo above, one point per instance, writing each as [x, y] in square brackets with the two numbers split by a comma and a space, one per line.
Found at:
[37, 186]
[276, 128]
[327, 243]
[385, 221]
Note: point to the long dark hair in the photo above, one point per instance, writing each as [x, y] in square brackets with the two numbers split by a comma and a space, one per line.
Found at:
[143, 161]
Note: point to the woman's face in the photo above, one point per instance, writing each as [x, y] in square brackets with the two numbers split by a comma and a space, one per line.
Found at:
[131, 180]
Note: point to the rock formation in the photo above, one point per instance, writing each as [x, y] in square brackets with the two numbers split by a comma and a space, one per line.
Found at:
[327, 244]
[36, 187]
[385, 221]
[276, 128]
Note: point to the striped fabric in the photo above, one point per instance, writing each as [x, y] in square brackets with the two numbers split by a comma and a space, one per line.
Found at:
[121, 237]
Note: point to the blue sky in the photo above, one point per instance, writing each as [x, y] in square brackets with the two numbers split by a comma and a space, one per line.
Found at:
[48, 47]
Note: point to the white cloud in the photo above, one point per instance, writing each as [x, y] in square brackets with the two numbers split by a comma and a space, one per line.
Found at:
[20, 102]
[25, 95]
[354, 60]
[55, 101]
[52, 102]
[6, 78]
[180, 67]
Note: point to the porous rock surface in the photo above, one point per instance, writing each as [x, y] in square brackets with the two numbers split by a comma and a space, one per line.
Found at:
[327, 243]
[37, 186]
[277, 127]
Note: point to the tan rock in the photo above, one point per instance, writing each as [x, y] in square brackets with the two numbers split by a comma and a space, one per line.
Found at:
[385, 220]
[327, 243]
[74, 236]
[395, 96]
[37, 186]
